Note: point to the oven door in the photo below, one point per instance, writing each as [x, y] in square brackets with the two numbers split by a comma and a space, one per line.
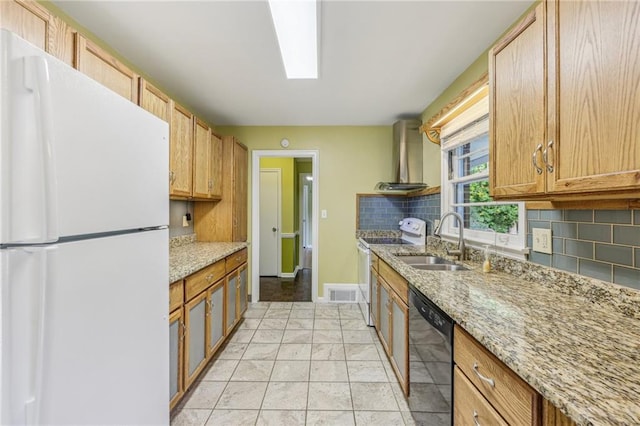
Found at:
[363, 282]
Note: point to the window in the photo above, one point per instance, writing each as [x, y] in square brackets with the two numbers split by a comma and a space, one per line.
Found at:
[465, 185]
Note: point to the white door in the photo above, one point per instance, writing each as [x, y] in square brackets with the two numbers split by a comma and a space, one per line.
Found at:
[77, 158]
[269, 222]
[85, 333]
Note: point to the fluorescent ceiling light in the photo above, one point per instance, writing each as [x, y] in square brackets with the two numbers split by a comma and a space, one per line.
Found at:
[296, 24]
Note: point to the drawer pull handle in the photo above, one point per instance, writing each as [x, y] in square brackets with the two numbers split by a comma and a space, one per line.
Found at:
[491, 382]
[475, 418]
[209, 277]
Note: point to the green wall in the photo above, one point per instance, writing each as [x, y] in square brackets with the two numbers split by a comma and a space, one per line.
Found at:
[352, 160]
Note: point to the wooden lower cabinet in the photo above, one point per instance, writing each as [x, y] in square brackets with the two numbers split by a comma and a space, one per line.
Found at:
[205, 308]
[176, 342]
[215, 318]
[471, 407]
[391, 314]
[375, 305]
[195, 313]
[231, 297]
[243, 290]
[487, 392]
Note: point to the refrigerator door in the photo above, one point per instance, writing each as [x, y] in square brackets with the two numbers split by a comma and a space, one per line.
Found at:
[85, 336]
[75, 157]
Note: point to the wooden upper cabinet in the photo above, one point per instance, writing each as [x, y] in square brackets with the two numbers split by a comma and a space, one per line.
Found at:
[27, 19]
[594, 111]
[201, 160]
[565, 118]
[215, 167]
[180, 152]
[62, 41]
[105, 69]
[240, 182]
[207, 163]
[517, 108]
[153, 100]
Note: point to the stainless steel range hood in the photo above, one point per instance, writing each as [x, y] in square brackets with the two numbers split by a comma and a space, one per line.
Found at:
[406, 159]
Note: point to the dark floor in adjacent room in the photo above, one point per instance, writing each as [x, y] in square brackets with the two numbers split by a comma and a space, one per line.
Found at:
[274, 289]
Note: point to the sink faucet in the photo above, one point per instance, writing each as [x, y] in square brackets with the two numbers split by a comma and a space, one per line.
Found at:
[436, 232]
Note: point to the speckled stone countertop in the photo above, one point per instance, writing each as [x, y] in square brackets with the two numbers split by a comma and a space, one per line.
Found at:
[186, 259]
[577, 344]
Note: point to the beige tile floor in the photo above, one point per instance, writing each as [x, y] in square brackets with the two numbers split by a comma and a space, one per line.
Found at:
[297, 363]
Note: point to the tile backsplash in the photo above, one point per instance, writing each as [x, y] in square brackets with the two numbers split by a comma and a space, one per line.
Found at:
[602, 244]
[382, 212]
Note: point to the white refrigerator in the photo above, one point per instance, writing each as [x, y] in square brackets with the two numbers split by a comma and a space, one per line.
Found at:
[84, 209]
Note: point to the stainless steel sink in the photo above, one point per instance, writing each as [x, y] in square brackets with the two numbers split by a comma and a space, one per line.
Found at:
[440, 267]
[424, 260]
[431, 263]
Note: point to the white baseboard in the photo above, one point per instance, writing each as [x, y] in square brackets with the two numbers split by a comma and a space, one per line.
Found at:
[320, 300]
[290, 274]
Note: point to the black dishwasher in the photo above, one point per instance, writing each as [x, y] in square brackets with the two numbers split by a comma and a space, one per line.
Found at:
[430, 362]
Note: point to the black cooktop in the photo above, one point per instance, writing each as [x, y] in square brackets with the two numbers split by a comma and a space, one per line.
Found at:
[371, 240]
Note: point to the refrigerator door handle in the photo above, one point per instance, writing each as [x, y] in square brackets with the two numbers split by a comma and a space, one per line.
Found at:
[38, 81]
[44, 278]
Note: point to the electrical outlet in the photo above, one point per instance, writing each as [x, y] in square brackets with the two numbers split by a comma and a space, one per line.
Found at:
[542, 240]
[185, 221]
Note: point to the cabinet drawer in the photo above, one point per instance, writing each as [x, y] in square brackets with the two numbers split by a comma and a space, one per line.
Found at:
[196, 283]
[176, 295]
[515, 400]
[236, 259]
[395, 281]
[469, 405]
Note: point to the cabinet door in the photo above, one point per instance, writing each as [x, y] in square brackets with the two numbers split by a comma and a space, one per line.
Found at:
[215, 167]
[375, 306]
[242, 290]
[517, 109]
[106, 70]
[201, 159]
[240, 192]
[231, 291]
[195, 347]
[180, 152]
[215, 317]
[594, 113]
[384, 330]
[176, 340]
[62, 41]
[400, 338]
[153, 100]
[27, 19]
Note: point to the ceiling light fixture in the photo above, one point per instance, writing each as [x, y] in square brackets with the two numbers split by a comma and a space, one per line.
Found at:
[296, 24]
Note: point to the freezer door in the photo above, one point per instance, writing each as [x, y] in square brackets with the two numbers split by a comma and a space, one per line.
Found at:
[75, 157]
[85, 332]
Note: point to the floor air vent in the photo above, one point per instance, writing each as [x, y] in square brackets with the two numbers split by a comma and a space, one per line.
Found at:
[342, 293]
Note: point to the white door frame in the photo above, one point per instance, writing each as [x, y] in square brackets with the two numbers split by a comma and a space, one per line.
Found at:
[256, 155]
[278, 173]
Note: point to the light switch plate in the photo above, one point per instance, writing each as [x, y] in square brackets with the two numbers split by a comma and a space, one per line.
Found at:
[323, 214]
[542, 240]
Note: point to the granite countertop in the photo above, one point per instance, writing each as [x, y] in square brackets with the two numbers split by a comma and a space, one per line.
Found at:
[577, 346]
[186, 259]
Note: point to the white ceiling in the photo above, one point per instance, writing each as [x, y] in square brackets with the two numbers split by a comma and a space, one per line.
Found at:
[379, 60]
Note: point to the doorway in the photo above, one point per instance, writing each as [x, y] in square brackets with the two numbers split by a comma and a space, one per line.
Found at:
[289, 235]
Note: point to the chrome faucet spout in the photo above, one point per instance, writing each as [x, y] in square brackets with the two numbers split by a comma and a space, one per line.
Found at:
[461, 245]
